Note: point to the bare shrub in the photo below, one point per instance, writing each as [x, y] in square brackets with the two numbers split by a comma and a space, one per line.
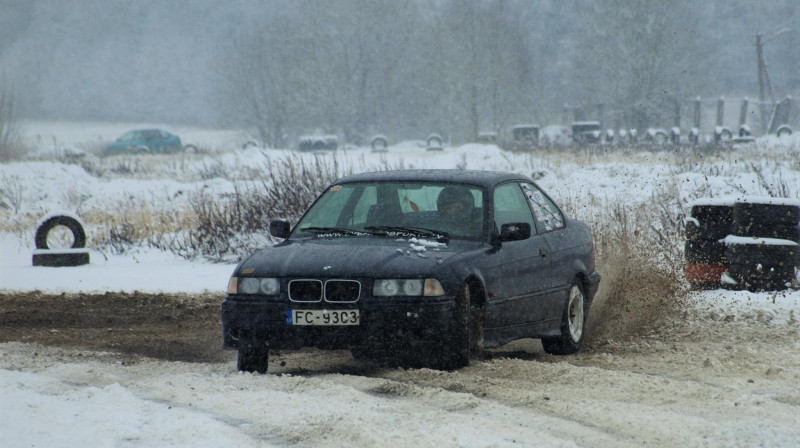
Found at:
[93, 147]
[215, 229]
[9, 125]
[776, 189]
[132, 223]
[230, 227]
[11, 193]
[126, 166]
[213, 169]
[290, 184]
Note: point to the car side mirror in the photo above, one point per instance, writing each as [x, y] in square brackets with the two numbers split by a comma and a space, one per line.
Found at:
[515, 231]
[280, 228]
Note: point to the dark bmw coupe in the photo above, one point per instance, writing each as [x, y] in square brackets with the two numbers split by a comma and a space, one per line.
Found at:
[427, 265]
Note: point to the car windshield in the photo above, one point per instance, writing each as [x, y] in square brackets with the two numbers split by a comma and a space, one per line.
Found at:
[129, 136]
[410, 209]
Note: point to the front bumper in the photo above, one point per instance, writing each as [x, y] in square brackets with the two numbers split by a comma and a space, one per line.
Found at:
[255, 322]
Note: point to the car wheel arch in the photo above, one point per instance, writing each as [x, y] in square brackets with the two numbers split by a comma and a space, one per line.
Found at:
[477, 290]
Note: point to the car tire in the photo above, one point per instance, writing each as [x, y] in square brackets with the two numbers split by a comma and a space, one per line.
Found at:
[190, 149]
[78, 234]
[768, 267]
[768, 230]
[749, 213]
[573, 324]
[693, 232]
[705, 251]
[715, 220]
[253, 359]
[456, 346]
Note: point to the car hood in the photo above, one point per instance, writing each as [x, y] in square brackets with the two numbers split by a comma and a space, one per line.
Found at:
[352, 257]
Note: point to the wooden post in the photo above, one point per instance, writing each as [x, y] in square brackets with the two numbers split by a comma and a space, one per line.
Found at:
[760, 57]
[677, 121]
[720, 111]
[697, 110]
[743, 113]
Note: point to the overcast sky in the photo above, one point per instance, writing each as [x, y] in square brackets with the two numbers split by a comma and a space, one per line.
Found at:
[169, 61]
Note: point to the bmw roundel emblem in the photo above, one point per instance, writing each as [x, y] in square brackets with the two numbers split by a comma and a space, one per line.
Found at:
[327, 268]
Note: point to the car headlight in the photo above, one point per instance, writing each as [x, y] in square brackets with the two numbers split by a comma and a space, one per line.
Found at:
[254, 285]
[407, 287]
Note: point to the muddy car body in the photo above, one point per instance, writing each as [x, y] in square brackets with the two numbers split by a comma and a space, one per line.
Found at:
[376, 265]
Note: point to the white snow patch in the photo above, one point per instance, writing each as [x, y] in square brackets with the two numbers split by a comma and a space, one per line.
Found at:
[733, 240]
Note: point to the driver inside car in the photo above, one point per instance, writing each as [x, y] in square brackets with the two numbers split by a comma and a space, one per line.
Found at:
[456, 206]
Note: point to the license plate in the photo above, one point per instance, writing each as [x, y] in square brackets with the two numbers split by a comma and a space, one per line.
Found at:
[322, 317]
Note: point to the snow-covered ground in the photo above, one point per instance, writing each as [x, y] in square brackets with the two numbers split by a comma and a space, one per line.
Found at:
[56, 397]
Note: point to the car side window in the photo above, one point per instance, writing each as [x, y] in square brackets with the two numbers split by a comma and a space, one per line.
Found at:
[510, 206]
[548, 216]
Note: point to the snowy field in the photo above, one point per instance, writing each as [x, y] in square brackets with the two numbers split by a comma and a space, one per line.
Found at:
[729, 374]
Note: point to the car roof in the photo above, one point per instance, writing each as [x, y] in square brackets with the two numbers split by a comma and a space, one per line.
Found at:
[147, 130]
[473, 177]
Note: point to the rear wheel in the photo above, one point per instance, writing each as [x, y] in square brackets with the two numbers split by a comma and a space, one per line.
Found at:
[253, 359]
[572, 324]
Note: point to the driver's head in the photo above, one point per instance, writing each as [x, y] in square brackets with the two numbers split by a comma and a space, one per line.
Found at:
[455, 200]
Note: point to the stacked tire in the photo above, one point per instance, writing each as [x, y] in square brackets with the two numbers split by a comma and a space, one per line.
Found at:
[763, 250]
[705, 251]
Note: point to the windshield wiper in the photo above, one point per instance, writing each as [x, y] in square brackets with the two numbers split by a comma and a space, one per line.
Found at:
[333, 230]
[418, 231]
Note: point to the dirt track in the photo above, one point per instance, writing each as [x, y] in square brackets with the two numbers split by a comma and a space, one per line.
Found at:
[171, 327]
[698, 379]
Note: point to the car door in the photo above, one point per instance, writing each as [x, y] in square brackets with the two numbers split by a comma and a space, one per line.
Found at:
[551, 225]
[523, 267]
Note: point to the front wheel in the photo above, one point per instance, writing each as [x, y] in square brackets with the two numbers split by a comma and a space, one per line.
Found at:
[253, 359]
[572, 325]
[466, 337]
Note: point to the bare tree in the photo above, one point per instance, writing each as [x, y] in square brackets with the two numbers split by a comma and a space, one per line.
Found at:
[9, 125]
[489, 64]
[643, 55]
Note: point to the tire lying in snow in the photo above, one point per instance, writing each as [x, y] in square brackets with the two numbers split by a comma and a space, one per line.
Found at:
[767, 230]
[762, 263]
[714, 217]
[705, 251]
[70, 222]
[766, 211]
[706, 255]
[75, 255]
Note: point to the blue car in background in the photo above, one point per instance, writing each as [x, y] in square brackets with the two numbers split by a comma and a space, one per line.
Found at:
[144, 141]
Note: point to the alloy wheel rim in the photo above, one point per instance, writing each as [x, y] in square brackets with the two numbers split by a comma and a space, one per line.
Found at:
[575, 316]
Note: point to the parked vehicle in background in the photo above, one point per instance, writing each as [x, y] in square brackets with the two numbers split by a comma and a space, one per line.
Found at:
[420, 267]
[144, 141]
[318, 143]
[524, 137]
[586, 132]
